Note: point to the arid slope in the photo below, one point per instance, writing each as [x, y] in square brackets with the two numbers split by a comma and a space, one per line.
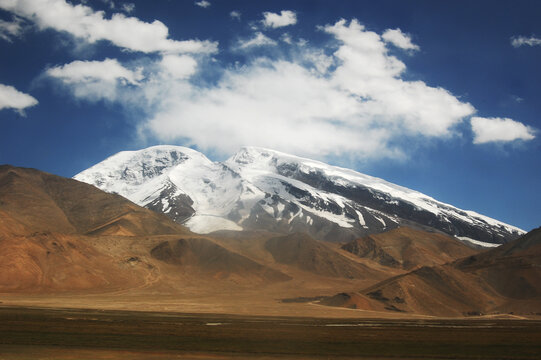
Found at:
[67, 242]
[502, 280]
[408, 248]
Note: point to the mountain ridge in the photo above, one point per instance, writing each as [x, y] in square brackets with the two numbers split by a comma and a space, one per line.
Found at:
[259, 188]
[63, 240]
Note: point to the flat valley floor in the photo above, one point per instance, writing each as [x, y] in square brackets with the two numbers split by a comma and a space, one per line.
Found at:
[56, 333]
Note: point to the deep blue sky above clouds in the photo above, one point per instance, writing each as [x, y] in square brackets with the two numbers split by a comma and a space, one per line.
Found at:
[441, 97]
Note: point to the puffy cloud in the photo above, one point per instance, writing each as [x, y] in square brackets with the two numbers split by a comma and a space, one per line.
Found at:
[523, 40]
[10, 29]
[235, 14]
[126, 32]
[488, 130]
[95, 80]
[179, 67]
[11, 98]
[274, 104]
[285, 18]
[203, 3]
[353, 101]
[399, 39]
[370, 73]
[258, 40]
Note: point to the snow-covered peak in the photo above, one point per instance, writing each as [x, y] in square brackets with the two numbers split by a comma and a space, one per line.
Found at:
[262, 158]
[260, 188]
[252, 160]
[125, 171]
[255, 162]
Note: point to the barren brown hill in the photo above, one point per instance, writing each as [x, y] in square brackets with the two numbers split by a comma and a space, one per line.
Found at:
[44, 225]
[39, 201]
[408, 248]
[503, 280]
[208, 258]
[52, 262]
[304, 252]
[513, 270]
[70, 244]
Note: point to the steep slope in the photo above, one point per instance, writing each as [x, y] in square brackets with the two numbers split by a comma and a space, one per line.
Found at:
[362, 203]
[45, 221]
[502, 280]
[62, 235]
[513, 269]
[179, 182]
[264, 189]
[44, 202]
[305, 253]
[408, 248]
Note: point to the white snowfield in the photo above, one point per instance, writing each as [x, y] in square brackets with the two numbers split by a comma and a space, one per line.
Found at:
[224, 194]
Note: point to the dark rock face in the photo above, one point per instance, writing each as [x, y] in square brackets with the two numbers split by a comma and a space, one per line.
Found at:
[370, 198]
[177, 207]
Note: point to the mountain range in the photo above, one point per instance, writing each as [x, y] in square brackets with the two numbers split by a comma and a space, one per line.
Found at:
[262, 189]
[67, 243]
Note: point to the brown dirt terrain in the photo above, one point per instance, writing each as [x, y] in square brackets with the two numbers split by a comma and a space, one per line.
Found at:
[408, 248]
[43, 202]
[68, 244]
[214, 259]
[306, 253]
[502, 280]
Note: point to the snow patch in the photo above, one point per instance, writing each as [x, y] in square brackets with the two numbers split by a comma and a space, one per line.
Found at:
[466, 239]
[204, 224]
[361, 218]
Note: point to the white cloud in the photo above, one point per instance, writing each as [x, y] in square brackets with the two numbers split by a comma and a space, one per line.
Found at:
[95, 80]
[285, 18]
[108, 70]
[235, 14]
[488, 130]
[279, 105]
[126, 32]
[203, 3]
[10, 29]
[258, 40]
[179, 67]
[399, 39]
[11, 98]
[370, 73]
[351, 102]
[354, 101]
[523, 40]
[128, 8]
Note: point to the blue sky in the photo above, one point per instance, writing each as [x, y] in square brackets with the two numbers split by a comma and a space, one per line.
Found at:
[441, 97]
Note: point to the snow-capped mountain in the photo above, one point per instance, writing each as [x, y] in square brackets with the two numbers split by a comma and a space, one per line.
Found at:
[266, 189]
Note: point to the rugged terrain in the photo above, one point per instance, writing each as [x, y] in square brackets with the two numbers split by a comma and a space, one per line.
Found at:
[262, 189]
[502, 280]
[66, 243]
